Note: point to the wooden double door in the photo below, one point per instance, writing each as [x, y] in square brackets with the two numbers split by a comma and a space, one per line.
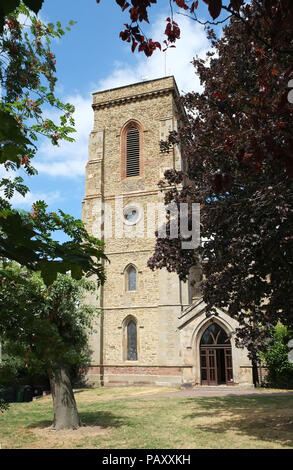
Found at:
[216, 365]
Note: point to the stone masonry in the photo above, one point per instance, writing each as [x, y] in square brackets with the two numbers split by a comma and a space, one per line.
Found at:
[167, 351]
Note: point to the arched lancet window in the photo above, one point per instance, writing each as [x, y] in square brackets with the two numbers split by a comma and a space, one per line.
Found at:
[131, 150]
[131, 340]
[214, 334]
[131, 278]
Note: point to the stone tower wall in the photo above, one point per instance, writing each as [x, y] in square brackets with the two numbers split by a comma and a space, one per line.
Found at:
[159, 297]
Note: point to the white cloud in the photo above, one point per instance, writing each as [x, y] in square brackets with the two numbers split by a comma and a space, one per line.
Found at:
[49, 197]
[175, 61]
[69, 159]
[26, 21]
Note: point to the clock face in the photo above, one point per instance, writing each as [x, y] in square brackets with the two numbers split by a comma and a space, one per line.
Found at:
[131, 215]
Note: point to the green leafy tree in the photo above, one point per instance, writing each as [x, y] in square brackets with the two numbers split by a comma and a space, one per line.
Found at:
[12, 370]
[33, 315]
[27, 79]
[8, 6]
[48, 328]
[11, 367]
[280, 370]
[27, 238]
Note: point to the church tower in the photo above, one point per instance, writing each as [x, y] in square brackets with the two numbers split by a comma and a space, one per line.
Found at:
[145, 332]
[136, 339]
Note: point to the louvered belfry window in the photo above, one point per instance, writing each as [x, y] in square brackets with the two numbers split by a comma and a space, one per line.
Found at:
[132, 152]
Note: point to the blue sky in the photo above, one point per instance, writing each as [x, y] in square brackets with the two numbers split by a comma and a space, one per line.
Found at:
[91, 57]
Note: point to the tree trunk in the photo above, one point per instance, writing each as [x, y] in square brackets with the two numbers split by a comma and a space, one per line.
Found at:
[255, 372]
[65, 410]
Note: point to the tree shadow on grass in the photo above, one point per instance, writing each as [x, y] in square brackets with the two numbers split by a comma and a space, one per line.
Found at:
[267, 419]
[103, 419]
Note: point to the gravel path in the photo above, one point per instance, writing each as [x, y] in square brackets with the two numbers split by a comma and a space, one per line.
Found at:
[218, 392]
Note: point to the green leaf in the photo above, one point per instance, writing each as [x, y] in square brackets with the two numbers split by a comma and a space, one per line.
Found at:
[49, 273]
[9, 191]
[15, 227]
[10, 130]
[11, 152]
[76, 272]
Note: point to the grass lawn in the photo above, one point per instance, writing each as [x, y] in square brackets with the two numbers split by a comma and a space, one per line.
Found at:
[132, 417]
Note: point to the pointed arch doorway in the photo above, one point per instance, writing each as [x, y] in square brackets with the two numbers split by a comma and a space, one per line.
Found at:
[215, 357]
